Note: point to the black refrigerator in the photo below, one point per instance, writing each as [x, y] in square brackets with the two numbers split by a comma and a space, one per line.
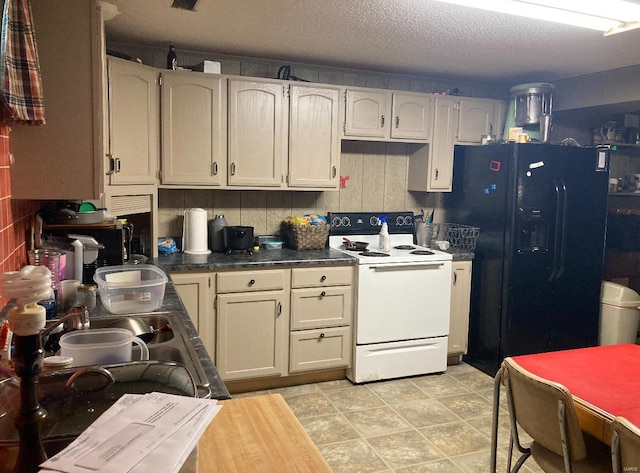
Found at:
[538, 265]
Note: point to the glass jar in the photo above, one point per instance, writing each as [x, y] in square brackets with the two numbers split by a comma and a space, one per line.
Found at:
[87, 296]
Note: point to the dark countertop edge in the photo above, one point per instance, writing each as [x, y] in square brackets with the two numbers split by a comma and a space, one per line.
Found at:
[259, 260]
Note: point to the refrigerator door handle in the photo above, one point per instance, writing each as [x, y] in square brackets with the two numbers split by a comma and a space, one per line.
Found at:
[557, 233]
[563, 253]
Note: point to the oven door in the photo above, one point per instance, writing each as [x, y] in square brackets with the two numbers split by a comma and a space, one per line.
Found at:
[403, 301]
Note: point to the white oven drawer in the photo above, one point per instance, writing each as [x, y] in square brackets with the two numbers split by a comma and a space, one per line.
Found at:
[403, 302]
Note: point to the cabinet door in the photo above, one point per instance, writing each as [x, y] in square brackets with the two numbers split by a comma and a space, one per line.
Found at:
[367, 114]
[411, 116]
[314, 141]
[193, 132]
[320, 307]
[133, 122]
[64, 159]
[252, 334]
[256, 133]
[440, 166]
[196, 293]
[476, 119]
[460, 306]
[320, 349]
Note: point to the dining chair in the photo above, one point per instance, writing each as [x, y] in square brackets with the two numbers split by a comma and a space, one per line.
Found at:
[544, 410]
[625, 446]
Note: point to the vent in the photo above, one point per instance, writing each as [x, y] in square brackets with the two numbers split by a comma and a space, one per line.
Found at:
[184, 4]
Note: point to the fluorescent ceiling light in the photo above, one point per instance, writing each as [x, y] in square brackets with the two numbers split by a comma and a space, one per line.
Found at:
[611, 16]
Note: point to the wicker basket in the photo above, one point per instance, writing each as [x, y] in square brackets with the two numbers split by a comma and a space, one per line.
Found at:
[461, 237]
[306, 237]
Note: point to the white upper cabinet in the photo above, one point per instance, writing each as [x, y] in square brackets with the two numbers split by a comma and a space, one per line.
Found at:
[477, 117]
[456, 120]
[194, 140]
[411, 116]
[385, 115]
[367, 113]
[133, 123]
[64, 158]
[257, 126]
[314, 141]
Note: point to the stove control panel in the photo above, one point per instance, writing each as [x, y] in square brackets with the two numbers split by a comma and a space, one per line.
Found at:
[368, 223]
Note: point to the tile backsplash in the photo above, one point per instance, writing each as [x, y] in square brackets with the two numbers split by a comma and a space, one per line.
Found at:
[375, 177]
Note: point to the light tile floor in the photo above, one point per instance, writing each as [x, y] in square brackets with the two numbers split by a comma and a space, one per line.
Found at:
[426, 424]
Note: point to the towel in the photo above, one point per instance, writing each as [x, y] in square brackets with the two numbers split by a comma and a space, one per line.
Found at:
[22, 101]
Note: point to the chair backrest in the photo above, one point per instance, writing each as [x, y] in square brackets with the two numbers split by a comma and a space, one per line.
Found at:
[536, 404]
[625, 446]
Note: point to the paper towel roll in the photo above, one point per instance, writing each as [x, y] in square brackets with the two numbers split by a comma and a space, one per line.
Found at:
[194, 232]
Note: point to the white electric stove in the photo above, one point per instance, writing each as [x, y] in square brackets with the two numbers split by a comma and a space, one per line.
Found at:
[403, 298]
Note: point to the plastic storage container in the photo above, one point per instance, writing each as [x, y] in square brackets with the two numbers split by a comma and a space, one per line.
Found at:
[101, 346]
[619, 314]
[131, 289]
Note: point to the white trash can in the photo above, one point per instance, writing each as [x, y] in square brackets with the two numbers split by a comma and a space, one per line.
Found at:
[619, 314]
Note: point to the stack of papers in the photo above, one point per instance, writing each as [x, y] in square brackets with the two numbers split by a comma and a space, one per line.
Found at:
[140, 433]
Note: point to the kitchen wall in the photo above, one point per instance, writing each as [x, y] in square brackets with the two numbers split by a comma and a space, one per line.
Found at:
[374, 176]
[16, 216]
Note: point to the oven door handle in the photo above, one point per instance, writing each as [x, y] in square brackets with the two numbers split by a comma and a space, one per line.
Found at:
[405, 265]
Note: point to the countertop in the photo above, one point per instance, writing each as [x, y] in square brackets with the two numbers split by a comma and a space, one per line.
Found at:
[264, 259]
[259, 259]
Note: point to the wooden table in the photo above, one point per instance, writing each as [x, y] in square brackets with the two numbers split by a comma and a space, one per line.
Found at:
[603, 381]
[258, 434]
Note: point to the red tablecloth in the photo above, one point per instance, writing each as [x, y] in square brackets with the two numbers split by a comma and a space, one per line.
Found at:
[606, 377]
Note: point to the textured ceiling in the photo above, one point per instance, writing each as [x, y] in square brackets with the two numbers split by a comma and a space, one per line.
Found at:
[423, 37]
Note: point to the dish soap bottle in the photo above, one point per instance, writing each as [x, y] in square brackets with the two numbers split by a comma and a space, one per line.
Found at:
[384, 244]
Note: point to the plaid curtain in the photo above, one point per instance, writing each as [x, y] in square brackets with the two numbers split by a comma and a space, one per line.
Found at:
[22, 101]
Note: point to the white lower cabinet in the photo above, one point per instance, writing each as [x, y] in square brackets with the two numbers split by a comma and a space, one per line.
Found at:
[460, 305]
[196, 291]
[253, 324]
[321, 313]
[276, 322]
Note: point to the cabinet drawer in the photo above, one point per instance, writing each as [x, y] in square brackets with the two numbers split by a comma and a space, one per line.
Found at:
[320, 349]
[247, 281]
[326, 276]
[320, 307]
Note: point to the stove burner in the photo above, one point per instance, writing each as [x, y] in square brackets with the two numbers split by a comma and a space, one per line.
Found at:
[422, 252]
[405, 247]
[376, 254]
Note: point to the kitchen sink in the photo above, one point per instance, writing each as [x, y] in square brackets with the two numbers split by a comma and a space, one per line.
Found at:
[171, 344]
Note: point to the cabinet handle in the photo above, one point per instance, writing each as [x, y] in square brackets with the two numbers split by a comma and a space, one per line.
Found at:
[233, 169]
[437, 172]
[323, 279]
[455, 278]
[322, 294]
[215, 168]
[397, 121]
[381, 121]
[114, 164]
[252, 282]
[322, 335]
[334, 172]
[279, 308]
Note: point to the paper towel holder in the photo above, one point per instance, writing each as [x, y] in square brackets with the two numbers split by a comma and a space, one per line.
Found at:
[194, 232]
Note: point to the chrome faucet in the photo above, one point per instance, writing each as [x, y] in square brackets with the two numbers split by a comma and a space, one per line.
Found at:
[76, 319]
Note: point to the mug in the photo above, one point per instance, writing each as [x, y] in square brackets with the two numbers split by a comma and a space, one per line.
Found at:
[101, 346]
